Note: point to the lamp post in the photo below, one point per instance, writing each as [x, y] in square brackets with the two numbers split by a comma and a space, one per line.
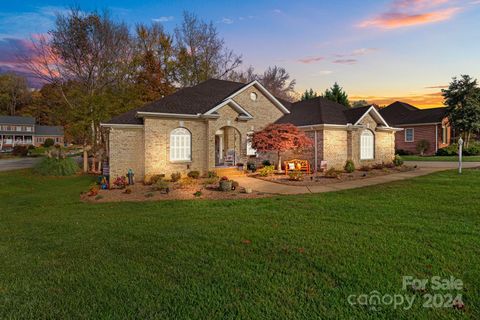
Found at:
[460, 147]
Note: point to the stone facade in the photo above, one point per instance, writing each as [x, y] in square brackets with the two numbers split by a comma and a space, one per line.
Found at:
[146, 149]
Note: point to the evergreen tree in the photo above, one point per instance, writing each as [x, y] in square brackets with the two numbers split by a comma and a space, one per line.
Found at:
[462, 99]
[336, 94]
[309, 94]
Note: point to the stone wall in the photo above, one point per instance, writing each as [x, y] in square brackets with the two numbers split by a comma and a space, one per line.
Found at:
[126, 149]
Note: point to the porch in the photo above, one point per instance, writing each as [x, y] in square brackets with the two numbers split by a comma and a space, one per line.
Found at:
[9, 140]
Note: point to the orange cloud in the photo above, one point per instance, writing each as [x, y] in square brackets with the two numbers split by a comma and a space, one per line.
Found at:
[393, 20]
[429, 100]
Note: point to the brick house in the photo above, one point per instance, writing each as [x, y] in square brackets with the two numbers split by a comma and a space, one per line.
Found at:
[208, 126]
[24, 131]
[431, 125]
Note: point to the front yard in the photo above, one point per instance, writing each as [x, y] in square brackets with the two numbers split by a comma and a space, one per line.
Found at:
[280, 257]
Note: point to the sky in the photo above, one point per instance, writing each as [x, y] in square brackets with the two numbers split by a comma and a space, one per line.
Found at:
[380, 51]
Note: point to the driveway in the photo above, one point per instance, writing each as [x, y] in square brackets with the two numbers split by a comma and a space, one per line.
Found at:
[18, 163]
[442, 164]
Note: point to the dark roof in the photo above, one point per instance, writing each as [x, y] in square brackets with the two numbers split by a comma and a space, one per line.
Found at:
[48, 130]
[191, 100]
[16, 120]
[399, 113]
[321, 111]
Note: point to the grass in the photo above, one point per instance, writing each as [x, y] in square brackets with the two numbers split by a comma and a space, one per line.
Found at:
[441, 158]
[282, 257]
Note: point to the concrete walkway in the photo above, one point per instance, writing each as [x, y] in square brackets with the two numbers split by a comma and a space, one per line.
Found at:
[277, 188]
[18, 163]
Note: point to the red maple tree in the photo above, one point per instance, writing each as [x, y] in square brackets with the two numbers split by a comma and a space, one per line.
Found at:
[280, 138]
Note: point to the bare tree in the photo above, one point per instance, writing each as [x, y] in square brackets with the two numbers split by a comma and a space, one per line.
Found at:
[246, 76]
[277, 81]
[201, 53]
[88, 52]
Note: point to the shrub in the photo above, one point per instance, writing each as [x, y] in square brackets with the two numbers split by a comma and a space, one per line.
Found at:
[403, 152]
[331, 173]
[212, 174]
[451, 150]
[198, 193]
[174, 177]
[235, 185]
[397, 161]
[194, 174]
[120, 182]
[266, 163]
[349, 166]
[56, 167]
[266, 171]
[212, 180]
[21, 151]
[365, 168]
[48, 143]
[251, 166]
[162, 186]
[149, 180]
[378, 166]
[148, 195]
[422, 146]
[295, 176]
[473, 150]
[389, 165]
[186, 182]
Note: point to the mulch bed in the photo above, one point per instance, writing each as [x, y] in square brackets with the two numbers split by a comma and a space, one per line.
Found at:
[141, 192]
[320, 179]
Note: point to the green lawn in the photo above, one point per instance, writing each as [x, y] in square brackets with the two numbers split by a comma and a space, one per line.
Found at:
[441, 158]
[61, 258]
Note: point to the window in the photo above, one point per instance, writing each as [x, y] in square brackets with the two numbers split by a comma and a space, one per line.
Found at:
[19, 128]
[409, 135]
[253, 96]
[444, 135]
[250, 150]
[180, 145]
[29, 129]
[367, 145]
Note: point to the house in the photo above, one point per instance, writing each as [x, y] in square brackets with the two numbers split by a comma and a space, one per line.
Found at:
[24, 131]
[431, 125]
[208, 125]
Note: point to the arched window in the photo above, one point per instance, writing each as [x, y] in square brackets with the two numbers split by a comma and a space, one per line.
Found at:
[367, 145]
[180, 145]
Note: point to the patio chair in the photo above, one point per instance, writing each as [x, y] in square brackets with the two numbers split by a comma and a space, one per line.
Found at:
[230, 158]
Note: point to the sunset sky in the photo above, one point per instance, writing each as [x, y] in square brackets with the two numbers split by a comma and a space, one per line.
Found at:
[380, 51]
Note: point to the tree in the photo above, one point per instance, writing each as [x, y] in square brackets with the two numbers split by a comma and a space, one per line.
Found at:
[309, 94]
[14, 93]
[360, 103]
[462, 99]
[155, 62]
[336, 94]
[280, 138]
[201, 53]
[277, 81]
[422, 146]
[84, 57]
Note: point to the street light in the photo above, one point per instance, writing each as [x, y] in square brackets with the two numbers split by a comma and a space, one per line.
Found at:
[460, 147]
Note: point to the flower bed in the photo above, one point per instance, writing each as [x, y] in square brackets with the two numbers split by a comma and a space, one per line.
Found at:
[185, 188]
[331, 176]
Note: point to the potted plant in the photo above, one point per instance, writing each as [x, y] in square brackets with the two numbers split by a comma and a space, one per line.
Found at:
[225, 184]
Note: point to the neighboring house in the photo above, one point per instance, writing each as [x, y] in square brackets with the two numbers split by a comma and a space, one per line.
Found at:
[431, 125]
[209, 125]
[24, 131]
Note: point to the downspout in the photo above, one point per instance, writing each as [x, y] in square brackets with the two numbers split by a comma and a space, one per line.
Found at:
[316, 152]
[436, 138]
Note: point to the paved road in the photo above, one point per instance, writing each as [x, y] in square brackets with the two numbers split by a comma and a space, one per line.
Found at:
[19, 163]
[441, 164]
